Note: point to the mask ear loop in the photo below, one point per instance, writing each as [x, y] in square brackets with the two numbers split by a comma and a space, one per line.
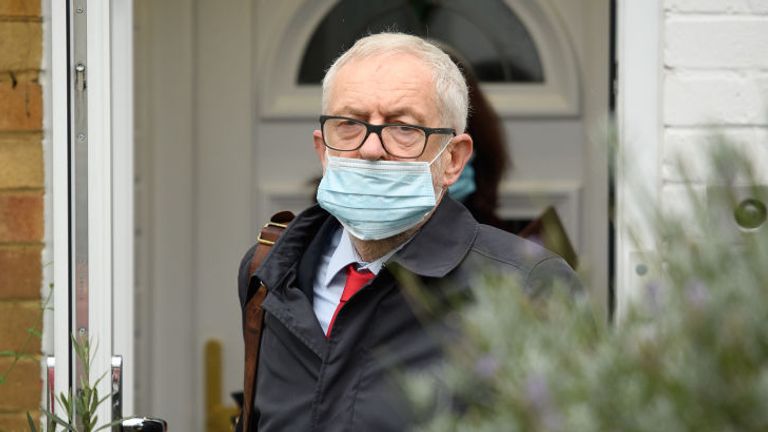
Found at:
[440, 153]
[443, 188]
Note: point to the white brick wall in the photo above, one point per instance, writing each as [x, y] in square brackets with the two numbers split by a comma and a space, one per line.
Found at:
[718, 6]
[715, 97]
[689, 146]
[716, 41]
[715, 85]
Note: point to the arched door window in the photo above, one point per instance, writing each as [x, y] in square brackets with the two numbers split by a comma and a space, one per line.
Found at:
[519, 50]
[488, 35]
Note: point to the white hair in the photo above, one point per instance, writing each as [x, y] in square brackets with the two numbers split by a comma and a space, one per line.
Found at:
[450, 86]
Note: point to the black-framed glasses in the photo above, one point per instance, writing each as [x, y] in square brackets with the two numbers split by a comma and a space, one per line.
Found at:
[400, 140]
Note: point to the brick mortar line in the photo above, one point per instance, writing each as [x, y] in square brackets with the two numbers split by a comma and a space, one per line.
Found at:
[741, 73]
[17, 132]
[22, 244]
[714, 127]
[5, 412]
[23, 79]
[21, 189]
[19, 75]
[11, 245]
[39, 300]
[8, 413]
[37, 410]
[22, 134]
[21, 18]
[673, 14]
[27, 302]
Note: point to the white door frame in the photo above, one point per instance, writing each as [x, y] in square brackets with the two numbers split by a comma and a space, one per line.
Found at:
[110, 193]
[123, 196]
[638, 110]
[59, 190]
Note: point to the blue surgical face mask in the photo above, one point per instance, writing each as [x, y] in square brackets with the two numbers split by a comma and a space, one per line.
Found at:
[374, 200]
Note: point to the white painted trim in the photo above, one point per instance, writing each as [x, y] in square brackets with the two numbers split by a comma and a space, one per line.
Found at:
[166, 95]
[528, 199]
[292, 23]
[47, 255]
[594, 62]
[560, 95]
[98, 67]
[59, 189]
[640, 129]
[123, 195]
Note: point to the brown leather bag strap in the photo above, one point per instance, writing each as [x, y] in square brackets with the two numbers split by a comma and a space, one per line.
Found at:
[254, 314]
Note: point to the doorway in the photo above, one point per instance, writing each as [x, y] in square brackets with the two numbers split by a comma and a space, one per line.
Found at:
[223, 139]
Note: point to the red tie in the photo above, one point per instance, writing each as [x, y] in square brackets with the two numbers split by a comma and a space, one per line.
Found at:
[355, 281]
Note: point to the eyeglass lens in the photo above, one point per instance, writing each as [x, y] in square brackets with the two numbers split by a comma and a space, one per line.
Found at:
[398, 140]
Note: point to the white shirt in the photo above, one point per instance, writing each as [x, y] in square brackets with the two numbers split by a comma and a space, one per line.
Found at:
[330, 277]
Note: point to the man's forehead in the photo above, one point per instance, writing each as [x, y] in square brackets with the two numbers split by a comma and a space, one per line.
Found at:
[401, 82]
[419, 115]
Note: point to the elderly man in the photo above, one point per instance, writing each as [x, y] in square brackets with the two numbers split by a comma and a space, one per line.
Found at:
[338, 326]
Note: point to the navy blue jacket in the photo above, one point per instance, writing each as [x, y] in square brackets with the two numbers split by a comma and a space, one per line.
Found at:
[349, 382]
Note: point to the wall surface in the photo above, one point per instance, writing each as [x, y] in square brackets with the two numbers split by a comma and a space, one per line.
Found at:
[715, 80]
[21, 210]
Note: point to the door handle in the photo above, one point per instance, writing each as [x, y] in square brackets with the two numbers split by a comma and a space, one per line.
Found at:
[134, 424]
[143, 424]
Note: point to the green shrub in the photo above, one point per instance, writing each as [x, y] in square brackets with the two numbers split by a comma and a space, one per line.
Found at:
[691, 354]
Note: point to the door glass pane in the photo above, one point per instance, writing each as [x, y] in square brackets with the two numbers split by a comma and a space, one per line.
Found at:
[487, 34]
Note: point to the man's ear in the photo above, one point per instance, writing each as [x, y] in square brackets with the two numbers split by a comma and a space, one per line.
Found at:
[317, 139]
[459, 153]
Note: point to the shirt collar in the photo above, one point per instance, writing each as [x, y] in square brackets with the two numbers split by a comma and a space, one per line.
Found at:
[345, 254]
[436, 249]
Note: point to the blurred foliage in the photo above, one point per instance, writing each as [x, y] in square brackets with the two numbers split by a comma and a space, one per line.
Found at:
[690, 353]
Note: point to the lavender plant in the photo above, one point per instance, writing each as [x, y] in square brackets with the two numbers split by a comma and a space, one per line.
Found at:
[80, 407]
[690, 354]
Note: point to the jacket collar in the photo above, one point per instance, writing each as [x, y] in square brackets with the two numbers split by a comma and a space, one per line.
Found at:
[442, 243]
[292, 245]
[436, 249]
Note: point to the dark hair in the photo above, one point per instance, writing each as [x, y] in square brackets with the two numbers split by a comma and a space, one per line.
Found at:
[491, 158]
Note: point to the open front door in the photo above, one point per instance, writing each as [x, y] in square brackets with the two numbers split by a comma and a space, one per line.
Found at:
[91, 126]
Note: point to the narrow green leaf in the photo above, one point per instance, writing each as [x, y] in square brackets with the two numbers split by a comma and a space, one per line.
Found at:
[34, 332]
[106, 397]
[8, 353]
[65, 402]
[95, 400]
[50, 423]
[63, 423]
[99, 379]
[80, 404]
[31, 423]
